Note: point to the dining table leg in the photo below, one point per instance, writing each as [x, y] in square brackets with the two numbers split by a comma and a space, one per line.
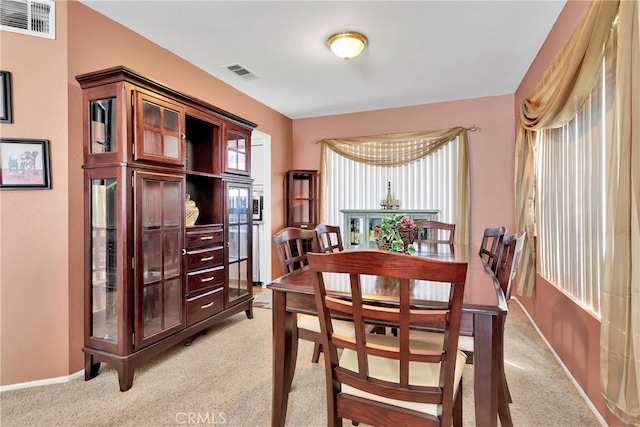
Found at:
[485, 379]
[504, 397]
[284, 357]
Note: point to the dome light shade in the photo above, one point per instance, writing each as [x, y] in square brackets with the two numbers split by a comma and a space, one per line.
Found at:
[347, 44]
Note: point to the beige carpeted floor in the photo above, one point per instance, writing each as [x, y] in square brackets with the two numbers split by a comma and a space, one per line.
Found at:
[224, 378]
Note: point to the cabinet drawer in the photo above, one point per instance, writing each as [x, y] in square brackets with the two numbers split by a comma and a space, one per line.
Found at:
[204, 237]
[213, 277]
[205, 305]
[204, 258]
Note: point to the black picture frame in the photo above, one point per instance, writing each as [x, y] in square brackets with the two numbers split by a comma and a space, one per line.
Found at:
[24, 164]
[5, 97]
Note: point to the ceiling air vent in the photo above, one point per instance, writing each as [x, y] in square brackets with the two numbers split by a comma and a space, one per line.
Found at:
[242, 71]
[30, 17]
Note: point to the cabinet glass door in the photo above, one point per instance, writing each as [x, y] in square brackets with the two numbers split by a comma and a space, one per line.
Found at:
[159, 131]
[103, 263]
[159, 234]
[238, 241]
[236, 151]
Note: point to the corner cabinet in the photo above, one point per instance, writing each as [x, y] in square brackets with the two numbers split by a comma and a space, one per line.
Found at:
[157, 269]
[301, 189]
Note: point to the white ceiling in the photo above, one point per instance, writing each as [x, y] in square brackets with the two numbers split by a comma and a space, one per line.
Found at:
[419, 52]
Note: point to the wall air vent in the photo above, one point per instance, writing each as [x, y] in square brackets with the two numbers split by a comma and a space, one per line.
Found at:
[242, 71]
[30, 17]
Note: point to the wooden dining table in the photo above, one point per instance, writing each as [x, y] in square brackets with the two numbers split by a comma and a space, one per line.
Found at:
[484, 303]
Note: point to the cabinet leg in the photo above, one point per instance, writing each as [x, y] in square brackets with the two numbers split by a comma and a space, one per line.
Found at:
[90, 368]
[125, 376]
[249, 312]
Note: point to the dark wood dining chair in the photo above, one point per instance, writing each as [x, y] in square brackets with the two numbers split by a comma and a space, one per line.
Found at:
[329, 238]
[509, 260]
[507, 269]
[491, 245]
[510, 250]
[292, 246]
[435, 232]
[382, 379]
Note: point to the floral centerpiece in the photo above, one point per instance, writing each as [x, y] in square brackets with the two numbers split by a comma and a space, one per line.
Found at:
[395, 233]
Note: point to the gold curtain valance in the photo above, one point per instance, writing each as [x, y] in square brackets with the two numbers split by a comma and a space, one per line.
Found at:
[399, 149]
[394, 149]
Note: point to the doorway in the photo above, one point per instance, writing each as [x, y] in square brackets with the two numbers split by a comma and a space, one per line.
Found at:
[261, 174]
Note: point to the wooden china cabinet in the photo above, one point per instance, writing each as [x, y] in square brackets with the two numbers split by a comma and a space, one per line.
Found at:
[152, 280]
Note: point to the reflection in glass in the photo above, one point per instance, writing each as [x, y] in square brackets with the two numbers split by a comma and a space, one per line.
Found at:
[171, 121]
[172, 302]
[152, 204]
[152, 257]
[171, 146]
[171, 254]
[236, 151]
[151, 115]
[234, 245]
[152, 310]
[238, 271]
[103, 136]
[103, 259]
[152, 142]
[173, 200]
[238, 276]
[162, 203]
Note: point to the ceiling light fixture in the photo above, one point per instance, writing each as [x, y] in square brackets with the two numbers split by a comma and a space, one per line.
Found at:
[347, 44]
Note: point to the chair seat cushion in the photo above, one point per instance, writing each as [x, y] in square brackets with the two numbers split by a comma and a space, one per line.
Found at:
[340, 327]
[424, 374]
[465, 343]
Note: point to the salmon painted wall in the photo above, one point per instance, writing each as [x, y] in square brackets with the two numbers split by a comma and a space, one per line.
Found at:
[34, 229]
[41, 236]
[491, 148]
[573, 332]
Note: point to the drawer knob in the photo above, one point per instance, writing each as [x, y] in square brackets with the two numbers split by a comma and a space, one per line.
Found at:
[209, 258]
[206, 237]
[206, 305]
[208, 279]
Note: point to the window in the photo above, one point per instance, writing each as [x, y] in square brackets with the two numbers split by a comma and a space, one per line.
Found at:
[429, 183]
[572, 165]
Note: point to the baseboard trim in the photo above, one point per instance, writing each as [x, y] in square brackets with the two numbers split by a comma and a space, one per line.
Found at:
[38, 383]
[562, 365]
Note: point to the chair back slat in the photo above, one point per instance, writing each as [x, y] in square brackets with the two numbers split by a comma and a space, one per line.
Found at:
[364, 267]
[491, 246]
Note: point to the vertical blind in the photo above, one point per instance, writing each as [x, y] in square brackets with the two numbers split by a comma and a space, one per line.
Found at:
[429, 183]
[572, 169]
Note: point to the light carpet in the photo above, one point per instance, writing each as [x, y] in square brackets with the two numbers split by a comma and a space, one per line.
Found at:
[224, 378]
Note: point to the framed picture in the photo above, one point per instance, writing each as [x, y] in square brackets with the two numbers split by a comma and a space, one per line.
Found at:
[5, 97]
[24, 164]
[257, 208]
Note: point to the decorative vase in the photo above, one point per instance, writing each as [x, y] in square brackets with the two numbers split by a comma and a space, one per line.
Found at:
[389, 202]
[191, 212]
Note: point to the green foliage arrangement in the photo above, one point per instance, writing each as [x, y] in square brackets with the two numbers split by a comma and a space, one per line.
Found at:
[395, 233]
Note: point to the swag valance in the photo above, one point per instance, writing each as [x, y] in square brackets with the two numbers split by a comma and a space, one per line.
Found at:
[399, 149]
